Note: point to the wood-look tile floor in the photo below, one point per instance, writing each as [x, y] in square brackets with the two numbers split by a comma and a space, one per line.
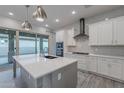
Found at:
[88, 80]
[85, 80]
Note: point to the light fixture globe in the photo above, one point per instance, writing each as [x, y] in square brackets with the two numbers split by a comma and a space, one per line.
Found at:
[26, 25]
[39, 14]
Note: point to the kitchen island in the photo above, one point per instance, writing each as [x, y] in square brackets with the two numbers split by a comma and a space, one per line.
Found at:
[38, 72]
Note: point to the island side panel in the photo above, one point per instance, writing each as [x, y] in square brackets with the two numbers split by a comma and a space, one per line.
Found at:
[27, 79]
[65, 77]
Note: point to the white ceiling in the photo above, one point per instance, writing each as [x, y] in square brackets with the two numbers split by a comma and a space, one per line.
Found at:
[62, 12]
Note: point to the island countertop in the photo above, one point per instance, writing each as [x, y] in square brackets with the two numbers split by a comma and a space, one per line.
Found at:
[38, 66]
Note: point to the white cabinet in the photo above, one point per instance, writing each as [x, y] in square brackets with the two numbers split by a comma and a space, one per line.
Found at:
[116, 69]
[70, 37]
[82, 60]
[76, 28]
[108, 32]
[105, 33]
[103, 66]
[119, 31]
[101, 33]
[93, 30]
[92, 64]
[110, 67]
[60, 36]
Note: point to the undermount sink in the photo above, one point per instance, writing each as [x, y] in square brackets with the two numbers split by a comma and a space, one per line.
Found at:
[50, 57]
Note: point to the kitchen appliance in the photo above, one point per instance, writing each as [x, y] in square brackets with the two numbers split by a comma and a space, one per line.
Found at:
[82, 29]
[59, 49]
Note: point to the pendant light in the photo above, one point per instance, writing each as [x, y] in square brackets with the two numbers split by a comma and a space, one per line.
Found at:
[26, 25]
[39, 14]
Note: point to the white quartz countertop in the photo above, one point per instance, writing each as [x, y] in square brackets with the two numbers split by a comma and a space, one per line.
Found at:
[38, 66]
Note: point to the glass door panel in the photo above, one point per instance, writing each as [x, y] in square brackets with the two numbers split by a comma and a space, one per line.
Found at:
[45, 45]
[27, 43]
[6, 46]
[42, 44]
[4, 40]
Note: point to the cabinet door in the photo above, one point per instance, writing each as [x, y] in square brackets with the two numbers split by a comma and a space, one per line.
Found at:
[93, 29]
[103, 66]
[92, 66]
[116, 69]
[119, 30]
[60, 36]
[70, 37]
[105, 33]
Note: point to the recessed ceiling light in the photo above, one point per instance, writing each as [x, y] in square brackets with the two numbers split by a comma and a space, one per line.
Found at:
[10, 13]
[73, 12]
[57, 20]
[46, 25]
[106, 19]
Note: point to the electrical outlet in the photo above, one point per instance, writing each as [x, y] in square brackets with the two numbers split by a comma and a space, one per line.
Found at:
[59, 76]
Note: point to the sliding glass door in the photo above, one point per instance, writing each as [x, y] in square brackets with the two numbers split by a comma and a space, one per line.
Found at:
[42, 44]
[6, 46]
[32, 43]
[27, 43]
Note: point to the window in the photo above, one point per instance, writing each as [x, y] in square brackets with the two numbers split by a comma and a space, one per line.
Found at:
[26, 43]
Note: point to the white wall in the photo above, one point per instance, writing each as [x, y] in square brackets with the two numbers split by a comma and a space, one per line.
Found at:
[81, 44]
[16, 25]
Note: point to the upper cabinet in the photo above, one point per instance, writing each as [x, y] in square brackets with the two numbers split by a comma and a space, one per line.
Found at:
[119, 31]
[93, 34]
[70, 37]
[105, 33]
[60, 36]
[108, 32]
[76, 27]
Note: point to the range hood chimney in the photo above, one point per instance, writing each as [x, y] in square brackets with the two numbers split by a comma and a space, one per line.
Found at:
[82, 29]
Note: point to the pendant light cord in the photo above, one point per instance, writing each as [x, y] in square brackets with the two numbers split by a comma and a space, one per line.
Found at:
[27, 6]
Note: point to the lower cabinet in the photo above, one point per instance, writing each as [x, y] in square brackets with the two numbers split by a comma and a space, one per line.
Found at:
[82, 63]
[116, 69]
[103, 66]
[82, 60]
[92, 64]
[110, 67]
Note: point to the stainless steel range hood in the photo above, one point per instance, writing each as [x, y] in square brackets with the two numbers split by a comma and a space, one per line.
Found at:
[82, 29]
